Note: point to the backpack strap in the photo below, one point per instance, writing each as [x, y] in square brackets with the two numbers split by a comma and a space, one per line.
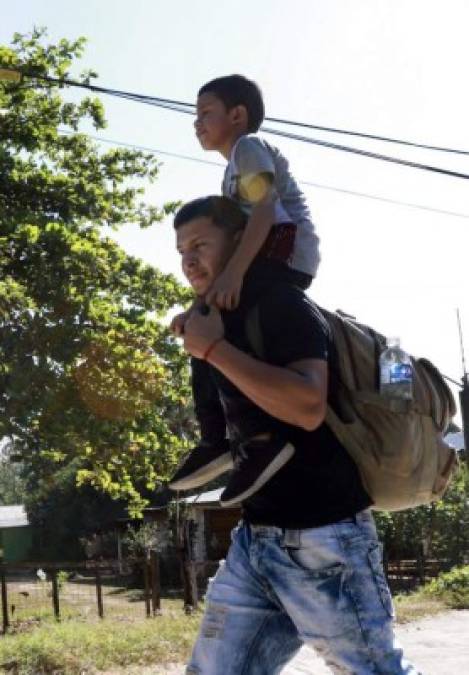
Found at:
[254, 332]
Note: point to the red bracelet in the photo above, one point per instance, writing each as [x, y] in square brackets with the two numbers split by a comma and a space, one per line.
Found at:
[209, 349]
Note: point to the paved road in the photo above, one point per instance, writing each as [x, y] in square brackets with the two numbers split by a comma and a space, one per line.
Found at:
[436, 646]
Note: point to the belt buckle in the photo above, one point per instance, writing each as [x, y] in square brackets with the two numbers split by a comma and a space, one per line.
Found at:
[291, 538]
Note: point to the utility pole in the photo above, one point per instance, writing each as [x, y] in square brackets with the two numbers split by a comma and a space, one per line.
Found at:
[464, 400]
[464, 393]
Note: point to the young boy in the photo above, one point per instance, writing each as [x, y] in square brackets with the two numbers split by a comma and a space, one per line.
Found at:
[278, 245]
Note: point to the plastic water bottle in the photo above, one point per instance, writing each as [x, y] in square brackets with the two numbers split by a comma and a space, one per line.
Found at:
[395, 369]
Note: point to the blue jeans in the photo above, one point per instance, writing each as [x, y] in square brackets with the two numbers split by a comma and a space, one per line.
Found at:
[279, 589]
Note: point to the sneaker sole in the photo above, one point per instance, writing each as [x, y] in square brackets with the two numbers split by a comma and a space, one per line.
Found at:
[205, 474]
[281, 459]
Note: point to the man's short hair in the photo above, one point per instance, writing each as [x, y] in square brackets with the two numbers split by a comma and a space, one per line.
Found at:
[222, 211]
[235, 90]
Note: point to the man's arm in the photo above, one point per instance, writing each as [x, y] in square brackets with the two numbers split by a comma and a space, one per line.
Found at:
[296, 393]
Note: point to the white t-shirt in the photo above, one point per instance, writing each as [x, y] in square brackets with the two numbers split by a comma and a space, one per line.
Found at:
[252, 157]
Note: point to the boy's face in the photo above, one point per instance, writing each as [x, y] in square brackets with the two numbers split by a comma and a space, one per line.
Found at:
[215, 126]
[204, 249]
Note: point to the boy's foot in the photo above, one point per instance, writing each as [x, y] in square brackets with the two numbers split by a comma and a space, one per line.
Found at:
[255, 464]
[204, 463]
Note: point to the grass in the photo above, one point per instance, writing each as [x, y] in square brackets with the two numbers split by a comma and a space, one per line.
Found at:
[74, 647]
[448, 591]
[415, 606]
[79, 646]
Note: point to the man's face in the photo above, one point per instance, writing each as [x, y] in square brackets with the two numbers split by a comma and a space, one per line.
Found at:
[214, 125]
[204, 249]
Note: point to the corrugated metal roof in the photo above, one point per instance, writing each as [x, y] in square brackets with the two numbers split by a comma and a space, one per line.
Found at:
[210, 497]
[13, 516]
[456, 439]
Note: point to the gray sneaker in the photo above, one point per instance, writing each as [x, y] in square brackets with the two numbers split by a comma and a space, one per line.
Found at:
[204, 463]
[255, 464]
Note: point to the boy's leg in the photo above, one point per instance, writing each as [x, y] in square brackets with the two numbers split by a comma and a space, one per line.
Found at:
[256, 462]
[331, 583]
[244, 630]
[212, 456]
[208, 408]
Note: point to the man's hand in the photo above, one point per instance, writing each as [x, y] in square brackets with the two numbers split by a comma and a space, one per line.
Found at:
[226, 289]
[200, 331]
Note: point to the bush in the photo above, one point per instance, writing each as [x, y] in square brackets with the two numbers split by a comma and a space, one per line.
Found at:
[452, 587]
[62, 577]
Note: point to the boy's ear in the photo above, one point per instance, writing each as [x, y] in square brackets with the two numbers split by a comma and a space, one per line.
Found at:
[239, 115]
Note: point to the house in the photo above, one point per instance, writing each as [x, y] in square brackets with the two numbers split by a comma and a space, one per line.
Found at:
[16, 536]
[456, 439]
[213, 525]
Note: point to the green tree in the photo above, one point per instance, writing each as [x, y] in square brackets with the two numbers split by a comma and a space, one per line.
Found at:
[88, 372]
[63, 515]
[12, 483]
[439, 530]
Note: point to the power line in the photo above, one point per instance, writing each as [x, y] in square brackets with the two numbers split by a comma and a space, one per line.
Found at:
[320, 186]
[145, 148]
[374, 137]
[367, 153]
[188, 108]
[387, 200]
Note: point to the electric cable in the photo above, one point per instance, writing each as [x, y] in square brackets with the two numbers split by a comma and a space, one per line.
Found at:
[320, 186]
[189, 108]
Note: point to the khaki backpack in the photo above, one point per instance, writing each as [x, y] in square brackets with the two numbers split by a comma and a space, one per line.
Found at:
[397, 444]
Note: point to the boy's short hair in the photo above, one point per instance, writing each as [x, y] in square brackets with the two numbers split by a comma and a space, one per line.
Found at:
[235, 90]
[222, 211]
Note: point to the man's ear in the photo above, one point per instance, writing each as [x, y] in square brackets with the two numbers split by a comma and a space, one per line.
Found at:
[237, 236]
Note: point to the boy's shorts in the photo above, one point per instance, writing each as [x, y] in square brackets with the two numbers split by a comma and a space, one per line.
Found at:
[272, 263]
[280, 243]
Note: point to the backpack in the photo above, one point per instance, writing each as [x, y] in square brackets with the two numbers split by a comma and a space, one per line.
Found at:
[397, 444]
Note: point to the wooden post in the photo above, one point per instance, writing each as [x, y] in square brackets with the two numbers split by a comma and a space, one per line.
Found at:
[386, 563]
[188, 573]
[190, 587]
[146, 578]
[421, 565]
[55, 594]
[5, 621]
[99, 593]
[155, 584]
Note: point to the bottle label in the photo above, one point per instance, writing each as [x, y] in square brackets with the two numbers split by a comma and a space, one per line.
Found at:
[400, 372]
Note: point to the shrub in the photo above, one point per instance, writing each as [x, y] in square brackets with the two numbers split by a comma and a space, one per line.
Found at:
[452, 587]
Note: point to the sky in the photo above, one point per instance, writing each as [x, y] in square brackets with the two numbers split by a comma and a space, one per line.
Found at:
[394, 68]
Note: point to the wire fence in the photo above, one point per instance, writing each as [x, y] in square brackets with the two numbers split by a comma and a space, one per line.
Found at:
[131, 590]
[408, 575]
[33, 592]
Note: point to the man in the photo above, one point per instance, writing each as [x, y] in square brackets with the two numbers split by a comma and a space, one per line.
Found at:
[305, 563]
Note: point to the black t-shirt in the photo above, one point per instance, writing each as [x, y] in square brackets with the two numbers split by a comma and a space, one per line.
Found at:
[320, 484]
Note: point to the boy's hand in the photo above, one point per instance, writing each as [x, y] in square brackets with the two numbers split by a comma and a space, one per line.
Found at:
[225, 290]
[200, 331]
[179, 321]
